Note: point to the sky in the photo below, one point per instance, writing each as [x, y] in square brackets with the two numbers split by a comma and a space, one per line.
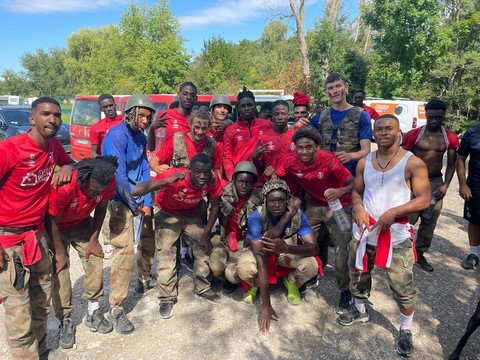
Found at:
[27, 25]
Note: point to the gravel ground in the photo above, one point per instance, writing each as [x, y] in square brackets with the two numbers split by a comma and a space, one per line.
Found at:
[199, 330]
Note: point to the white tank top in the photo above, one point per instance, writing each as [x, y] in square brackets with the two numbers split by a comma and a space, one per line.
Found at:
[378, 198]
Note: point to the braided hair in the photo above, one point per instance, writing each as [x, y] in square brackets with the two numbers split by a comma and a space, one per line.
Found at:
[275, 185]
[100, 169]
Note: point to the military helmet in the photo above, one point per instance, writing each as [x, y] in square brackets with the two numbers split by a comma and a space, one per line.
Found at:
[139, 100]
[220, 99]
[246, 167]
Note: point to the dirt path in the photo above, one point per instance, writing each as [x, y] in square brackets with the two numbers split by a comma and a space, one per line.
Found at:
[198, 330]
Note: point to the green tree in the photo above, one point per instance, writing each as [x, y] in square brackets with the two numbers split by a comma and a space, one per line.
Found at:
[15, 84]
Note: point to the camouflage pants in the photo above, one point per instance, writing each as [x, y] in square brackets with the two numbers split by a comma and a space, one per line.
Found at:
[146, 249]
[305, 267]
[26, 310]
[321, 218]
[400, 274]
[168, 229]
[78, 238]
[121, 237]
[223, 262]
[426, 228]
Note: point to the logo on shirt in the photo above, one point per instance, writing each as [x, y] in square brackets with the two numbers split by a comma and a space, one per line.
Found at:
[43, 175]
[320, 175]
[270, 145]
[175, 124]
[180, 196]
[74, 203]
[292, 146]
[299, 174]
[239, 137]
[260, 133]
[31, 162]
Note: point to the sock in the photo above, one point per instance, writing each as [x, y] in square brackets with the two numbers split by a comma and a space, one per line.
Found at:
[474, 250]
[183, 251]
[360, 305]
[290, 277]
[406, 322]
[92, 306]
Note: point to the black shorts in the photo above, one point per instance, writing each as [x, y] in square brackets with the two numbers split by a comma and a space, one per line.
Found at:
[471, 210]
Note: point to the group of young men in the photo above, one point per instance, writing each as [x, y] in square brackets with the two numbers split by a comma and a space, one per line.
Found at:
[270, 186]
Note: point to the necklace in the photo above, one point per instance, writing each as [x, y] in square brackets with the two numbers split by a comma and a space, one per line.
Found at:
[384, 168]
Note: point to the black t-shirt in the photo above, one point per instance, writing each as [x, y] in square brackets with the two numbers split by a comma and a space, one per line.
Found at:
[470, 146]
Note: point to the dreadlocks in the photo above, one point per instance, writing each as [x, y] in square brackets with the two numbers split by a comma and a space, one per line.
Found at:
[101, 169]
[275, 185]
[130, 118]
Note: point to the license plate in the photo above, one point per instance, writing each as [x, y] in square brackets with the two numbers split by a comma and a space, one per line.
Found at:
[83, 141]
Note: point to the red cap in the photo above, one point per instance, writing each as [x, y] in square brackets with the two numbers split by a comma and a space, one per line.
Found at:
[300, 99]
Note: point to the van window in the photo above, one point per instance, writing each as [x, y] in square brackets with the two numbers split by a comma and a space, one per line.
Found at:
[400, 110]
[85, 112]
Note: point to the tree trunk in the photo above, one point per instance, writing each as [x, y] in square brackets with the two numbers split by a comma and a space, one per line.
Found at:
[299, 16]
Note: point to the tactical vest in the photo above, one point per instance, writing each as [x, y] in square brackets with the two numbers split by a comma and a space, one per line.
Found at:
[290, 236]
[347, 131]
[180, 157]
[229, 200]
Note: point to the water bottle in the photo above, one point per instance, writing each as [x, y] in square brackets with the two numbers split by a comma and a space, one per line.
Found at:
[160, 136]
[340, 216]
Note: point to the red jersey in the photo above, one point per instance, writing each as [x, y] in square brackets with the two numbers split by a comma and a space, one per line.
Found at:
[279, 147]
[100, 129]
[177, 122]
[240, 141]
[73, 205]
[413, 136]
[371, 111]
[326, 172]
[182, 197]
[165, 154]
[26, 170]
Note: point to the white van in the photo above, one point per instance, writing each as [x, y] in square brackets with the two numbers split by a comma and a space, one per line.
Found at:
[410, 113]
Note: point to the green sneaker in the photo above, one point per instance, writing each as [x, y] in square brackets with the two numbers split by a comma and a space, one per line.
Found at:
[293, 295]
[250, 295]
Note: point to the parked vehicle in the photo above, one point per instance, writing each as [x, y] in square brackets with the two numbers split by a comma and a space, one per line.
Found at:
[86, 112]
[15, 120]
[410, 113]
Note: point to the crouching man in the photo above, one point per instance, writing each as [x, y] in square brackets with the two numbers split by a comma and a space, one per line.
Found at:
[294, 249]
[183, 213]
[69, 221]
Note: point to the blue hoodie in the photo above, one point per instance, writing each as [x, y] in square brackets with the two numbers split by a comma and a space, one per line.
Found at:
[130, 148]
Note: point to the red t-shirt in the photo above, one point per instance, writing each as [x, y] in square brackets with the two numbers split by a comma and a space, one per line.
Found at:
[100, 129]
[410, 139]
[176, 123]
[182, 197]
[72, 205]
[232, 225]
[26, 170]
[165, 154]
[371, 111]
[326, 172]
[240, 141]
[279, 148]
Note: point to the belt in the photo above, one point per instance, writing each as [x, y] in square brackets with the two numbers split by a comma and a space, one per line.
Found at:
[17, 230]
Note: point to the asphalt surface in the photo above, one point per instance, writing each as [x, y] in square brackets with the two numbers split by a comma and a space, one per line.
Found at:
[199, 330]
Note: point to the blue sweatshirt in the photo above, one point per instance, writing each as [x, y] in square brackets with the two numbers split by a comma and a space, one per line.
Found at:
[130, 148]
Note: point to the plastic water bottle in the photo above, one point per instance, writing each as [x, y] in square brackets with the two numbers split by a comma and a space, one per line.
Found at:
[340, 216]
[160, 138]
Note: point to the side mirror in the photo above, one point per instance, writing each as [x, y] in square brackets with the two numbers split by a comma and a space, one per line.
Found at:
[3, 126]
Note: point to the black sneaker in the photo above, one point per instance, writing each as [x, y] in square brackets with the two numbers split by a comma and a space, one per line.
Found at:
[166, 309]
[470, 262]
[352, 316]
[144, 285]
[210, 296]
[187, 262]
[97, 322]
[424, 264]
[229, 287]
[313, 282]
[405, 343]
[120, 322]
[345, 302]
[67, 335]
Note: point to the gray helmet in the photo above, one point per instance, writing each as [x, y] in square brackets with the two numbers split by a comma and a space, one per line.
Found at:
[246, 167]
[220, 99]
[139, 100]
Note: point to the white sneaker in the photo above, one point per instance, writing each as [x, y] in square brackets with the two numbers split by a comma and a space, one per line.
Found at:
[108, 251]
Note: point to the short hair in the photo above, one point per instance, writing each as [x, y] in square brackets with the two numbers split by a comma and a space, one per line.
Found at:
[45, 99]
[307, 132]
[358, 91]
[245, 94]
[436, 104]
[187, 84]
[201, 159]
[100, 169]
[199, 114]
[334, 77]
[174, 104]
[105, 96]
[266, 106]
[280, 102]
[388, 116]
